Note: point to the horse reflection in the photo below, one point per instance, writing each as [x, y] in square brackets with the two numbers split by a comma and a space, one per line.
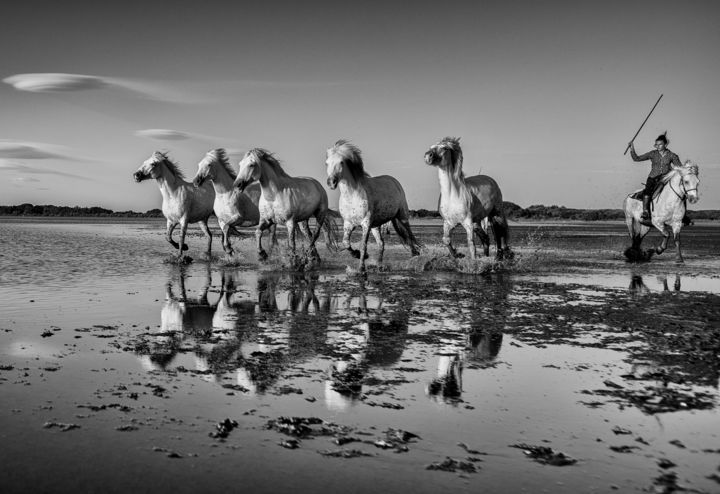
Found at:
[292, 328]
[482, 348]
[233, 324]
[380, 345]
[481, 345]
[638, 287]
[181, 316]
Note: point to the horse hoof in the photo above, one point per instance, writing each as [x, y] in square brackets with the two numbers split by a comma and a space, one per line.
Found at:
[262, 255]
[679, 261]
[185, 247]
[459, 256]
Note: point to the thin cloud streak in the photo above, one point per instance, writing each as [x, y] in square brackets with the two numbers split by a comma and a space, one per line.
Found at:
[23, 150]
[18, 167]
[62, 83]
[177, 135]
[163, 134]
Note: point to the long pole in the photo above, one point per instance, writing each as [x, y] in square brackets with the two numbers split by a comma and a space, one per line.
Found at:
[642, 125]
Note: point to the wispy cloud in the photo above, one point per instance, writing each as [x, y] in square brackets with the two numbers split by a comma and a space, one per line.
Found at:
[61, 82]
[163, 134]
[26, 179]
[31, 150]
[19, 167]
[177, 135]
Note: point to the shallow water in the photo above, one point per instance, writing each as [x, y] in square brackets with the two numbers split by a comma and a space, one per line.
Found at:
[97, 329]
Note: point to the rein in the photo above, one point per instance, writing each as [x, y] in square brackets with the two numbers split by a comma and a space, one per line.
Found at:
[685, 191]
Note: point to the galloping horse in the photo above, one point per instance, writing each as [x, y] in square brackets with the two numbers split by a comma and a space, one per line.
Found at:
[286, 200]
[232, 207]
[367, 202]
[669, 208]
[182, 203]
[468, 200]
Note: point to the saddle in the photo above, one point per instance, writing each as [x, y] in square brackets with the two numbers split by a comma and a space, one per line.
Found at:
[638, 194]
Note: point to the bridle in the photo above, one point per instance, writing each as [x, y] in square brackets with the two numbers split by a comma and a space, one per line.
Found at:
[684, 190]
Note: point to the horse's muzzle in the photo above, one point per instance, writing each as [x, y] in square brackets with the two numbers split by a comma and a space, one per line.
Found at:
[693, 197]
[139, 176]
[430, 158]
[197, 182]
[332, 183]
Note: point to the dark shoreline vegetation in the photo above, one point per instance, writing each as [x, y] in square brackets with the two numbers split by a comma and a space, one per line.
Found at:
[512, 210]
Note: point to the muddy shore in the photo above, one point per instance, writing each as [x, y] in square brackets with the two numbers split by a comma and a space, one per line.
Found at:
[565, 370]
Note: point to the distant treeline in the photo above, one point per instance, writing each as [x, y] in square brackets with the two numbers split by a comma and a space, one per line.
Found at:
[541, 212]
[50, 210]
[512, 210]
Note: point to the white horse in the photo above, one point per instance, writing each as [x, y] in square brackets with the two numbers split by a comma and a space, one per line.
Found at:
[470, 201]
[367, 202]
[286, 200]
[232, 207]
[182, 203]
[681, 184]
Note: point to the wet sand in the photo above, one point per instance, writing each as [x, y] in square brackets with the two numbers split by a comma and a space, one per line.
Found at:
[118, 369]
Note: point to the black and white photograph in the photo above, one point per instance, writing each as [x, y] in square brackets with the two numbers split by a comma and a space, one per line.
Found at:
[360, 247]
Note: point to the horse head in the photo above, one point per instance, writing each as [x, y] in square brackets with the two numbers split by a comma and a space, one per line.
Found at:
[343, 156]
[150, 167]
[249, 170]
[446, 155]
[689, 180]
[205, 169]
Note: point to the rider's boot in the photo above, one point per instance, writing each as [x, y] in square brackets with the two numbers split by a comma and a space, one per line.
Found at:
[645, 217]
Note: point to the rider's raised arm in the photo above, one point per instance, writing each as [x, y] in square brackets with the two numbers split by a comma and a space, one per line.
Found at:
[642, 157]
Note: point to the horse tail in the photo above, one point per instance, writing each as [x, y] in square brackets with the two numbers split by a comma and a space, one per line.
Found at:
[331, 229]
[407, 237]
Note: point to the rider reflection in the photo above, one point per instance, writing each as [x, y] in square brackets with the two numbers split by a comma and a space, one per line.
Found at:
[638, 286]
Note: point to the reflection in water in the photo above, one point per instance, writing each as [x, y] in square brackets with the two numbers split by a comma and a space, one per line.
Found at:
[482, 348]
[482, 341]
[638, 287]
[262, 325]
[380, 345]
[180, 316]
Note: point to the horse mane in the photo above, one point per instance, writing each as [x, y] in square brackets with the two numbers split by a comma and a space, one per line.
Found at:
[172, 165]
[687, 168]
[220, 155]
[261, 154]
[456, 156]
[352, 157]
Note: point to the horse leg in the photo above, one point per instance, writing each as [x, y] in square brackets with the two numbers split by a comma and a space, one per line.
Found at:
[206, 229]
[183, 231]
[363, 245]
[676, 238]
[663, 245]
[484, 238]
[168, 235]
[470, 232]
[305, 229]
[290, 225]
[377, 233]
[447, 240]
[320, 218]
[262, 226]
[273, 233]
[225, 229]
[347, 232]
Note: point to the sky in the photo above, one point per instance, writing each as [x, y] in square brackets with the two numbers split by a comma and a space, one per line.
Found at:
[544, 95]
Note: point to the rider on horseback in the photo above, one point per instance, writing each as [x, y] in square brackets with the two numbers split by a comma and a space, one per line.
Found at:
[662, 160]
